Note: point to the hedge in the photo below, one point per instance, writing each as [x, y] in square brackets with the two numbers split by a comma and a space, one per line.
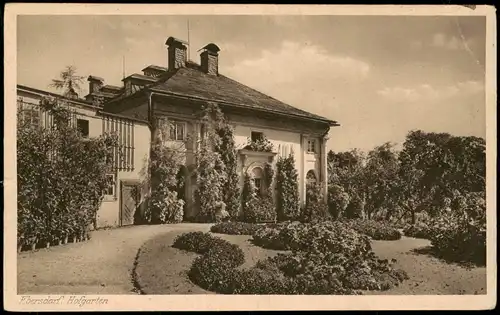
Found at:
[327, 259]
[236, 228]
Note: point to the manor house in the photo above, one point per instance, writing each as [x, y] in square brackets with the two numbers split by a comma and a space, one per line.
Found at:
[176, 92]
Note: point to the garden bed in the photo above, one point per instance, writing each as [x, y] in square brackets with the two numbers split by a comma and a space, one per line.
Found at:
[326, 258]
[162, 269]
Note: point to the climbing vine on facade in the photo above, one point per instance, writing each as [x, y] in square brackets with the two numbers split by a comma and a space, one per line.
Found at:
[227, 151]
[211, 175]
[164, 204]
[287, 189]
[257, 204]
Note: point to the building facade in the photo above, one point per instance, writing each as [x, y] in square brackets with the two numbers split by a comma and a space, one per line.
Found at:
[176, 93]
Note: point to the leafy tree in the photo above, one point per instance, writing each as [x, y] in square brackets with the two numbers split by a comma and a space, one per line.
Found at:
[346, 169]
[434, 165]
[380, 180]
[315, 207]
[338, 200]
[69, 82]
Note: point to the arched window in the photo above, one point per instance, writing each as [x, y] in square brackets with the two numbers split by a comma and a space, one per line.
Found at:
[258, 180]
[311, 178]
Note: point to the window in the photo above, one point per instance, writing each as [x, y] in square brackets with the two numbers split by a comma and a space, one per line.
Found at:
[258, 184]
[202, 131]
[257, 136]
[30, 113]
[177, 130]
[257, 180]
[311, 146]
[83, 127]
[110, 189]
[311, 178]
[123, 151]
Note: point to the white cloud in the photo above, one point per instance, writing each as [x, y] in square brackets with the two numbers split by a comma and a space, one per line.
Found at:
[299, 61]
[442, 41]
[447, 42]
[426, 92]
[301, 74]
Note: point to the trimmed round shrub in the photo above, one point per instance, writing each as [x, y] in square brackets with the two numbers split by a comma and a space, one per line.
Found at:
[197, 242]
[326, 258]
[235, 228]
[458, 238]
[418, 230]
[323, 237]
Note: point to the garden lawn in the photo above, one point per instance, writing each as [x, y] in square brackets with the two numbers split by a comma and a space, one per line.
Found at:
[428, 275]
[162, 269]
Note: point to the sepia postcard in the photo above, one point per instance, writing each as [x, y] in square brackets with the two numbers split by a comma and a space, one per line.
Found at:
[249, 157]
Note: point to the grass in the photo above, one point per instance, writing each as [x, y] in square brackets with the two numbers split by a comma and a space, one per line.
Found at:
[162, 269]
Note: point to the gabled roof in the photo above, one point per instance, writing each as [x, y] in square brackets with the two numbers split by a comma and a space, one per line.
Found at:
[111, 87]
[192, 82]
[141, 77]
[153, 67]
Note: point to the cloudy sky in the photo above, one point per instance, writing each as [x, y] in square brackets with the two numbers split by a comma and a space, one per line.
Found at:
[379, 76]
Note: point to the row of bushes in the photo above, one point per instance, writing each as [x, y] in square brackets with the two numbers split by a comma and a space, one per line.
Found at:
[326, 259]
[453, 237]
[418, 230]
[61, 178]
[377, 230]
[374, 229]
[236, 228]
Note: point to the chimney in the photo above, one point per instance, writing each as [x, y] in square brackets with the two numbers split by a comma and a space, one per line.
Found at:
[95, 84]
[210, 59]
[177, 53]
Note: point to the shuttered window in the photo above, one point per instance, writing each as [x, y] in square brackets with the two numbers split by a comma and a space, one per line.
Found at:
[123, 152]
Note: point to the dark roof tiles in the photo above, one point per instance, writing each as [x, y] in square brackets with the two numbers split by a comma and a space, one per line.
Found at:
[191, 82]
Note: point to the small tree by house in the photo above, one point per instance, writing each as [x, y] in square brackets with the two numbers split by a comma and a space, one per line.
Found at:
[315, 208]
[287, 189]
[69, 82]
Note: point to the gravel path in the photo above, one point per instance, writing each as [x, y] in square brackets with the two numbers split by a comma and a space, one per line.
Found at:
[102, 265]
